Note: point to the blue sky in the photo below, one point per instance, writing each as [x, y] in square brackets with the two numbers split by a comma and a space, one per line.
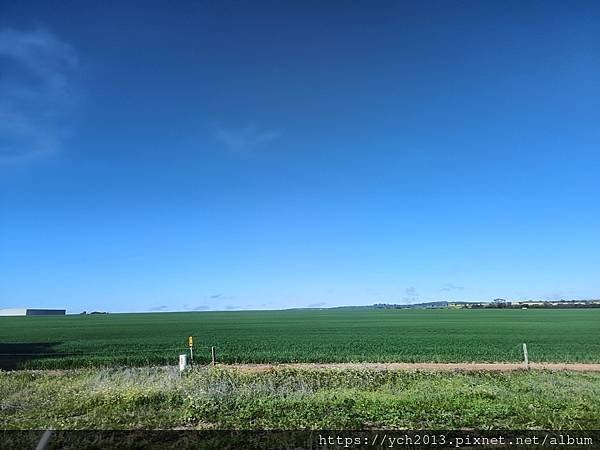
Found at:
[250, 155]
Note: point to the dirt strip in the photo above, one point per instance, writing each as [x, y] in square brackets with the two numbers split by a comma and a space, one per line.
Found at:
[432, 367]
[423, 367]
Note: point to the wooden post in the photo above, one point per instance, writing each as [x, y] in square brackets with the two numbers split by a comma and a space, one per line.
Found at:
[213, 355]
[526, 356]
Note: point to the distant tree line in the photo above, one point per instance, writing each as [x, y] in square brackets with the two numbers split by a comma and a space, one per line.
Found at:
[496, 303]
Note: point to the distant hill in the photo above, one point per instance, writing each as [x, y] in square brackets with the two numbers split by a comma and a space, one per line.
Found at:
[439, 304]
[496, 303]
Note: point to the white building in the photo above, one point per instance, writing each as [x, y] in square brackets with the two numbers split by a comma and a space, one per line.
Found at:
[31, 312]
[13, 312]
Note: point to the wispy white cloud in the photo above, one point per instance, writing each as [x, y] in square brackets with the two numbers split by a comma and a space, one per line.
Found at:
[451, 287]
[36, 93]
[201, 308]
[411, 295]
[246, 139]
[316, 305]
[563, 294]
[159, 308]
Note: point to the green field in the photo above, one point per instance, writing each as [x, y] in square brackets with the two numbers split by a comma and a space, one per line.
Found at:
[150, 397]
[335, 335]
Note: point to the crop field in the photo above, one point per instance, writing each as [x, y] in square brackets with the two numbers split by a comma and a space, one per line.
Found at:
[335, 335]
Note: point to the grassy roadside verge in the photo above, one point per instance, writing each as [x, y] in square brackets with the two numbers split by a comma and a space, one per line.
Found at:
[133, 398]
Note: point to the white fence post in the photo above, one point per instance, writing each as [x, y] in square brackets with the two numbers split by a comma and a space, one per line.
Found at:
[182, 363]
[526, 356]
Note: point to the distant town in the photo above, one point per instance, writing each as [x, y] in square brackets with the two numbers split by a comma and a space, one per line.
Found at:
[497, 303]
